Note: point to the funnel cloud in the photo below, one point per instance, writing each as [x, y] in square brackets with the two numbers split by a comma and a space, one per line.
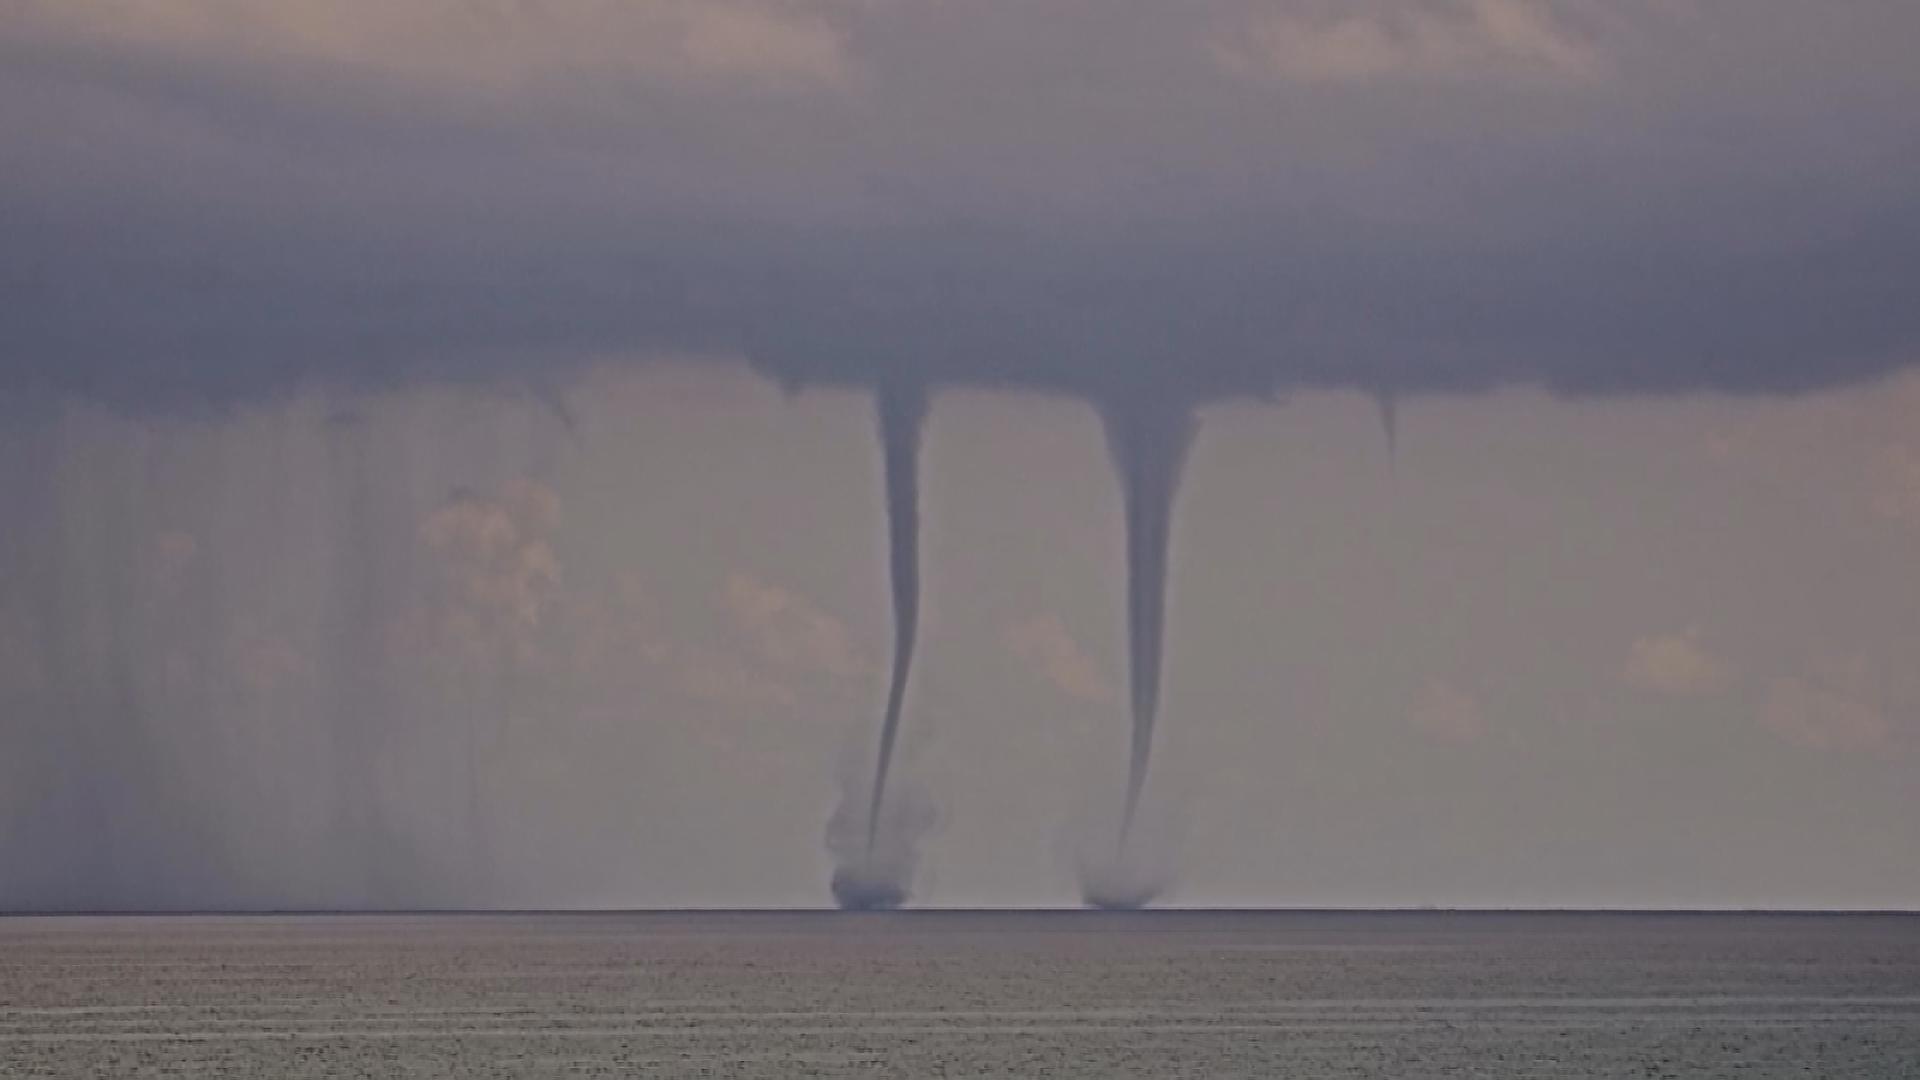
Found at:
[1148, 441]
[873, 880]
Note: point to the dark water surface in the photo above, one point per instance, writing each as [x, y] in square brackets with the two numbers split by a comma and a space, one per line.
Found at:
[909, 994]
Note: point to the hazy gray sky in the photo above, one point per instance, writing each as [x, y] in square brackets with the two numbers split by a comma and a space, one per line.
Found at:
[438, 446]
[1646, 652]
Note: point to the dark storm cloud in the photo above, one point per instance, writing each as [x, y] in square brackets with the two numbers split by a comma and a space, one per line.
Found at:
[1096, 198]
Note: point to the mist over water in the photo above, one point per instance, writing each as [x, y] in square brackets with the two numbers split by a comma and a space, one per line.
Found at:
[265, 658]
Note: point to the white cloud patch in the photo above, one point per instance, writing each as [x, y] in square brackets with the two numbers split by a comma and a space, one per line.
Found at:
[497, 580]
[729, 680]
[784, 638]
[1822, 716]
[1448, 714]
[760, 43]
[1676, 664]
[456, 46]
[264, 661]
[790, 631]
[1045, 646]
[1397, 39]
[498, 600]
[619, 634]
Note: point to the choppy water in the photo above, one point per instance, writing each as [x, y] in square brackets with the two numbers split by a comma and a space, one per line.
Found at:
[912, 994]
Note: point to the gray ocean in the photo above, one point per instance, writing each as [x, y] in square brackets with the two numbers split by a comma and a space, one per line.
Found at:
[911, 994]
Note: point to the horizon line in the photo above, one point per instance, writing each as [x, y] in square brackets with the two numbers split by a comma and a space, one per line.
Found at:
[945, 910]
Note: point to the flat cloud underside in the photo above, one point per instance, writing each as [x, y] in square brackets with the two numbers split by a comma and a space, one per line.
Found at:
[1193, 201]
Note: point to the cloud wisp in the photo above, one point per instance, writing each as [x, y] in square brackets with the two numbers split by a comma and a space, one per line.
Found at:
[1676, 664]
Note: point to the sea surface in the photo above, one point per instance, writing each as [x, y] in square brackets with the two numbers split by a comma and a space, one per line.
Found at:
[933, 994]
